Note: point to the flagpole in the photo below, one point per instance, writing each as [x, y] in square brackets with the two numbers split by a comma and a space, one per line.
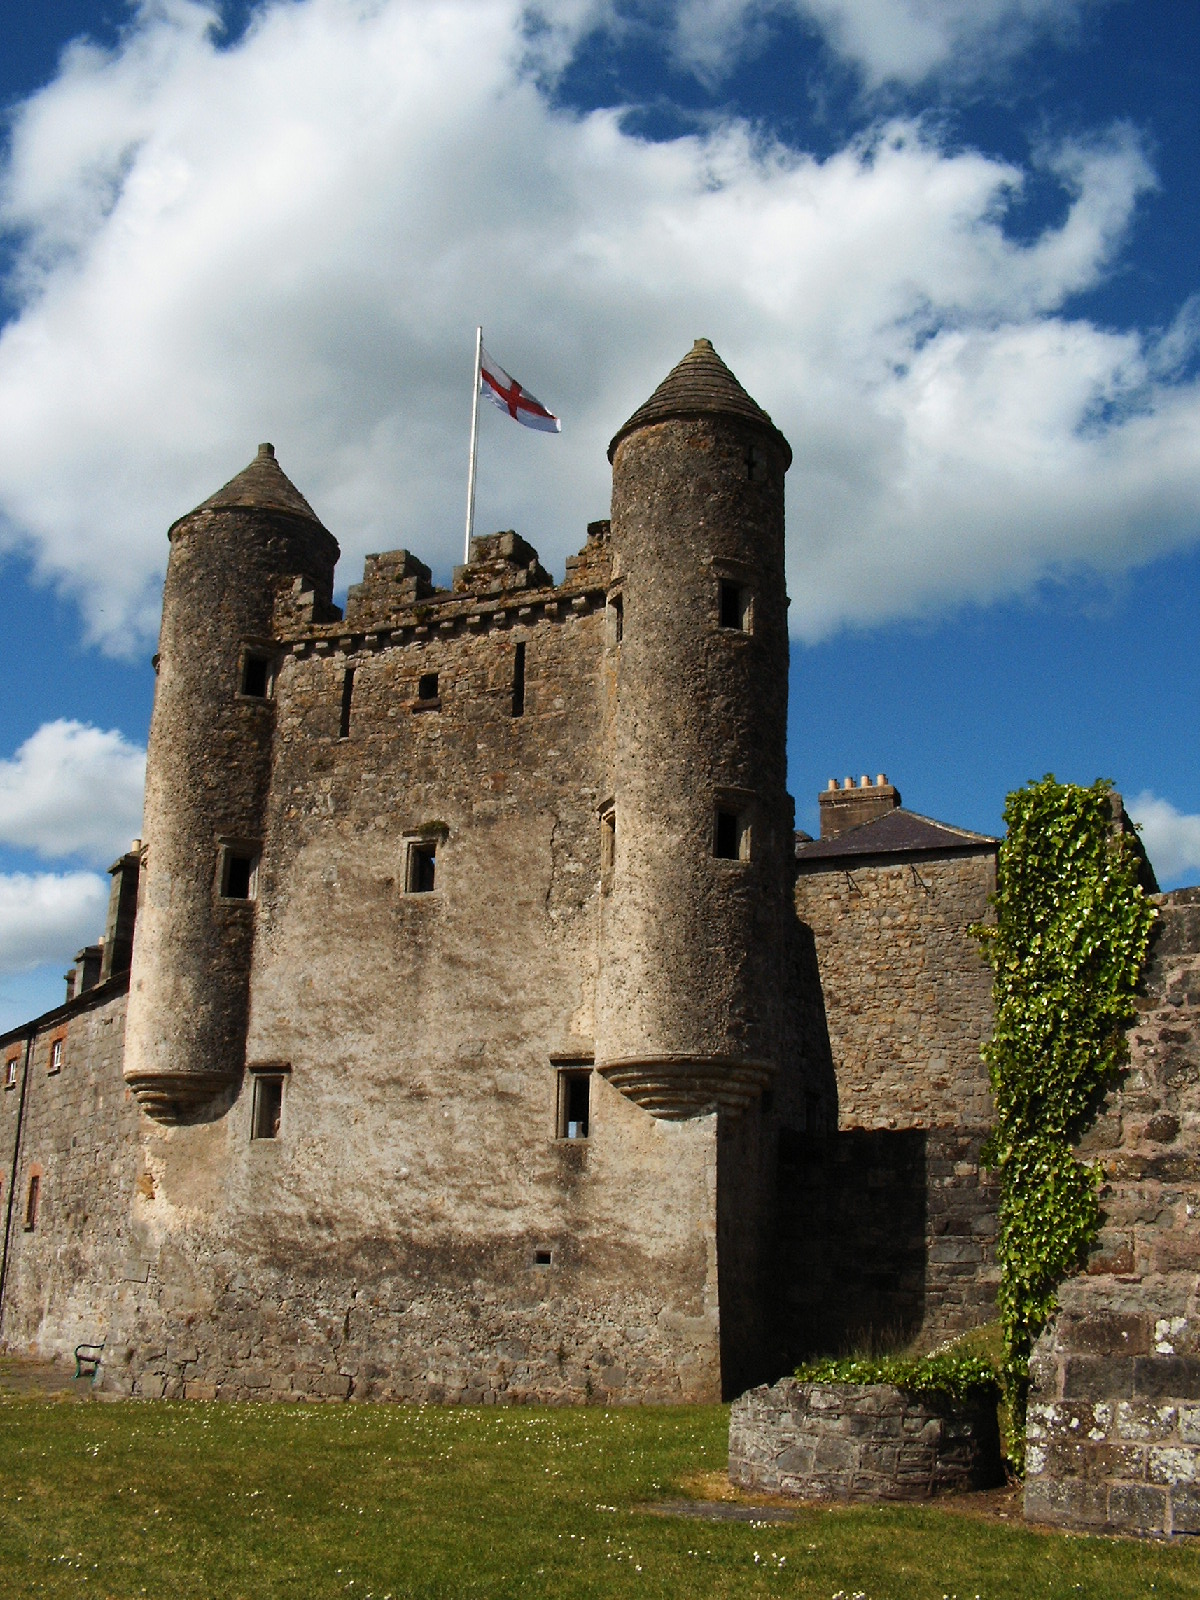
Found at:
[474, 443]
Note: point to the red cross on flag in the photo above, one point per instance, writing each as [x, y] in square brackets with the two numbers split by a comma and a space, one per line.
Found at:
[508, 394]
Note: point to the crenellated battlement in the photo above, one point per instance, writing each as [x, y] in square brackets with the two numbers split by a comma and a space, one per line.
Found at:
[397, 603]
[391, 583]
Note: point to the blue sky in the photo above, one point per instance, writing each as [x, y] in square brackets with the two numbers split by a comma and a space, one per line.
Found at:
[952, 247]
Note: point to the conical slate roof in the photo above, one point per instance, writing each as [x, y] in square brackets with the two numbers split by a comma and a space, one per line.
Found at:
[262, 486]
[700, 386]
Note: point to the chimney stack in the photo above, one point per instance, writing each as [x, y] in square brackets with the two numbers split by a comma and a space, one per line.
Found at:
[851, 804]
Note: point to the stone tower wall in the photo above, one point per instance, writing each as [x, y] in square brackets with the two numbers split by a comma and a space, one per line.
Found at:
[700, 726]
[418, 1228]
[208, 769]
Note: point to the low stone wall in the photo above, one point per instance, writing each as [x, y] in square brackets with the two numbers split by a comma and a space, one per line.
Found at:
[852, 1441]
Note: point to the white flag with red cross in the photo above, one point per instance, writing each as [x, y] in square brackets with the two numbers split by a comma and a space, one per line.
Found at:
[508, 394]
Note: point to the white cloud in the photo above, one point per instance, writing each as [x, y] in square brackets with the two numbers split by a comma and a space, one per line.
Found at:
[292, 240]
[1171, 837]
[47, 916]
[888, 41]
[71, 790]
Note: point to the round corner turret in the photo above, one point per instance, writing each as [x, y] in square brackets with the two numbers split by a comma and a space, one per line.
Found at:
[701, 385]
[692, 1020]
[207, 775]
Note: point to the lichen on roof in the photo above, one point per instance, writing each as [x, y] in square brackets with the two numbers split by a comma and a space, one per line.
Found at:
[262, 486]
[700, 385]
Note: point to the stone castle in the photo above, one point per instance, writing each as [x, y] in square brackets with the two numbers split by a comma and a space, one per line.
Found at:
[472, 1024]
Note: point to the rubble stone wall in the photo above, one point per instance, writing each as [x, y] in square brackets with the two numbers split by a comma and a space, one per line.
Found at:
[907, 995]
[888, 1229]
[75, 1269]
[1114, 1412]
[851, 1441]
[886, 1235]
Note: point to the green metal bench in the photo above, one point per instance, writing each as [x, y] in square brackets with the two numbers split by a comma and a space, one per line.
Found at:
[87, 1360]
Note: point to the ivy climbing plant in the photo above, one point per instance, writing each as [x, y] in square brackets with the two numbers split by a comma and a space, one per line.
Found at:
[1069, 941]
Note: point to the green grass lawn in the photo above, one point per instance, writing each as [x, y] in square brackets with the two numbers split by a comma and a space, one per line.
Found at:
[175, 1501]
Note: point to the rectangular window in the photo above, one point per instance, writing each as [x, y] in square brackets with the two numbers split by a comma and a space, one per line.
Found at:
[731, 836]
[518, 692]
[256, 675]
[10, 1072]
[543, 1258]
[239, 873]
[574, 1094]
[56, 1054]
[31, 1202]
[734, 608]
[427, 688]
[347, 698]
[267, 1113]
[608, 848]
[421, 866]
[616, 619]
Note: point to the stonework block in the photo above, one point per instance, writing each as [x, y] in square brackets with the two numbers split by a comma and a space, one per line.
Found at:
[1185, 1513]
[1137, 1508]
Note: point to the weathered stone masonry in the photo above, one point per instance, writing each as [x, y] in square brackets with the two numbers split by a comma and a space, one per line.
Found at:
[1114, 1408]
[489, 1036]
[850, 1441]
[412, 879]
[888, 1231]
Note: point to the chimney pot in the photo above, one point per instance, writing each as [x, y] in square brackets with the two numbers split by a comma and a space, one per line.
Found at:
[850, 805]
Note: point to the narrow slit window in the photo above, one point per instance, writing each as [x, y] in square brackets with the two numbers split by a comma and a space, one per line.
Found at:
[608, 848]
[347, 702]
[518, 690]
[267, 1114]
[31, 1202]
[731, 836]
[56, 1056]
[427, 687]
[574, 1097]
[733, 608]
[256, 675]
[616, 610]
[239, 874]
[421, 867]
[10, 1072]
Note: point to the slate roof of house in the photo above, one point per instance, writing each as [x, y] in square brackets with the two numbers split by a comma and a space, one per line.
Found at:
[897, 832]
[264, 486]
[700, 386]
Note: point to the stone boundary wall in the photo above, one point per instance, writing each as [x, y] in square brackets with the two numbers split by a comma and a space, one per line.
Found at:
[1114, 1402]
[857, 1441]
